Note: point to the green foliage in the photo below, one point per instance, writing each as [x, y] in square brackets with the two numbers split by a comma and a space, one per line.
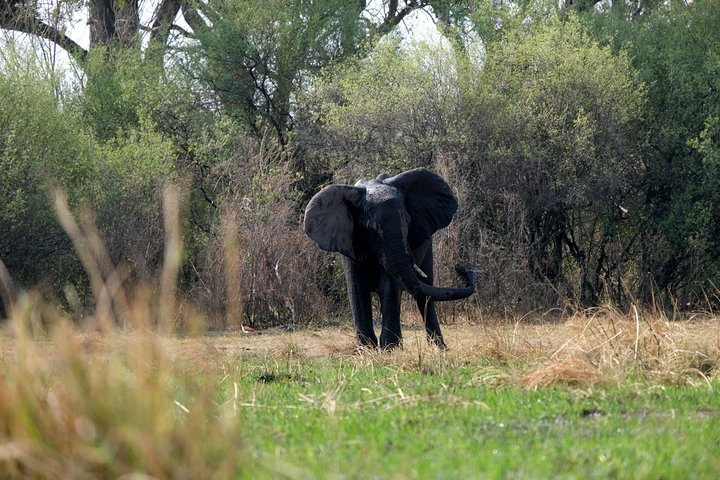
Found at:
[135, 165]
[41, 148]
[121, 89]
[387, 112]
[255, 57]
[111, 162]
[574, 103]
[562, 143]
[674, 48]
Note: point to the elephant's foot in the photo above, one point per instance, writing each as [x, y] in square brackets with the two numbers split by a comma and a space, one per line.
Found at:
[437, 340]
[390, 340]
[387, 346]
[367, 340]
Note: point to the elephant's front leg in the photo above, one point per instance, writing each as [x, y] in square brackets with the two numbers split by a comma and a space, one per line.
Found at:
[390, 293]
[358, 287]
[427, 306]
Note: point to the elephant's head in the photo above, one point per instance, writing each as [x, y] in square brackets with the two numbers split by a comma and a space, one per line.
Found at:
[386, 219]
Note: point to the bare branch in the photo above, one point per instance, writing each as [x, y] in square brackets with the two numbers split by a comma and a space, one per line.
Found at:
[14, 16]
[395, 15]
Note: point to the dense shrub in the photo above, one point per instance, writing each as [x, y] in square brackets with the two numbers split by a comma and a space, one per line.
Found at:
[282, 273]
[672, 48]
[47, 145]
[134, 168]
[387, 112]
[562, 151]
[40, 149]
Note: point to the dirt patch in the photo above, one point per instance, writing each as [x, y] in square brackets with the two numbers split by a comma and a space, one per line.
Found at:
[330, 342]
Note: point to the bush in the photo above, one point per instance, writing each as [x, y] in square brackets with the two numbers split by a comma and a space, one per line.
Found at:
[44, 145]
[282, 273]
[557, 178]
[135, 166]
[670, 48]
[41, 148]
[388, 112]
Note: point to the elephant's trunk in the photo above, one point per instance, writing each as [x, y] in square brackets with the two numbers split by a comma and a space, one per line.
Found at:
[403, 271]
[445, 294]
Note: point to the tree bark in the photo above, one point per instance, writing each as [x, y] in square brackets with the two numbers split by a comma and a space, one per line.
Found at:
[111, 22]
[114, 22]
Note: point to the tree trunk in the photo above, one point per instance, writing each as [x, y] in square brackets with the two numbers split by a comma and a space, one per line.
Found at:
[114, 22]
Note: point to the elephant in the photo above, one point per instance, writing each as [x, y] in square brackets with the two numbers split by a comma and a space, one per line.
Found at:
[383, 228]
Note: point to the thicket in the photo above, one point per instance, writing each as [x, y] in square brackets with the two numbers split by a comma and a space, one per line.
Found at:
[582, 145]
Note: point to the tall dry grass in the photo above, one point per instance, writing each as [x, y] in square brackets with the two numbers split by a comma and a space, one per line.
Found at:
[74, 407]
[111, 402]
[613, 346]
[594, 348]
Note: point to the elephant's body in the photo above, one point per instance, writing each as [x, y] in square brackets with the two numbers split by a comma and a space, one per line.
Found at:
[384, 227]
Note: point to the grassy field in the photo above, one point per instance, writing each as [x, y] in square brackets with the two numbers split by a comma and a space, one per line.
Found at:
[599, 395]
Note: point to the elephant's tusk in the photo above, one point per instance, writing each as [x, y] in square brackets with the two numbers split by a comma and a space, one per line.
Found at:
[420, 272]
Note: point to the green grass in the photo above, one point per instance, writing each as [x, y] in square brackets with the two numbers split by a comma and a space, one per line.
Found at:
[330, 418]
[507, 401]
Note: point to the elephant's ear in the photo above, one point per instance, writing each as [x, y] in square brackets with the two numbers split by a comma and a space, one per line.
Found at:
[428, 199]
[328, 218]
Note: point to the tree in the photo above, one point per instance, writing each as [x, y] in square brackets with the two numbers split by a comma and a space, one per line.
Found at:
[674, 48]
[389, 111]
[117, 22]
[255, 56]
[562, 145]
[111, 22]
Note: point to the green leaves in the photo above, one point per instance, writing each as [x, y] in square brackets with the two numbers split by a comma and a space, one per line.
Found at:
[565, 143]
[387, 112]
[40, 149]
[103, 149]
[256, 57]
[674, 49]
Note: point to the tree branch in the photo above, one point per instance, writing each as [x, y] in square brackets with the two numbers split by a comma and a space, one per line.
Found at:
[13, 18]
[395, 16]
[164, 18]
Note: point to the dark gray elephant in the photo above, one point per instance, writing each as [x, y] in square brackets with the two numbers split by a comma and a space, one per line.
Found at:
[383, 228]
